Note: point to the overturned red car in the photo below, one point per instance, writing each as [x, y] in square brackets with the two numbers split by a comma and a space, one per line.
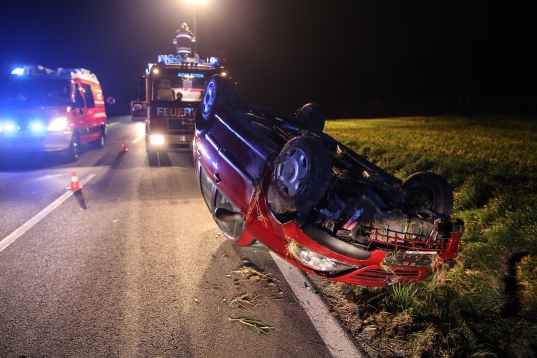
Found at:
[280, 180]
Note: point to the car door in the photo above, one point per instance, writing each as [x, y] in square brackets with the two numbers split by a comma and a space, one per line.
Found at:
[80, 113]
[93, 114]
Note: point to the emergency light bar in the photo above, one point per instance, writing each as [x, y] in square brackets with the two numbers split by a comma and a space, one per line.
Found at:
[66, 73]
[179, 60]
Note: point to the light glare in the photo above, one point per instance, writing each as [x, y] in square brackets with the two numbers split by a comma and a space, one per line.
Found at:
[9, 127]
[37, 126]
[156, 139]
[59, 124]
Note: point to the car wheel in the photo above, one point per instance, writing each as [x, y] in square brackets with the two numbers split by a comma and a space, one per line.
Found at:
[216, 94]
[430, 193]
[73, 152]
[301, 175]
[312, 116]
[99, 142]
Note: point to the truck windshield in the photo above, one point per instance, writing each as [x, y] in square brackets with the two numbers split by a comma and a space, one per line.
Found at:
[26, 93]
[179, 84]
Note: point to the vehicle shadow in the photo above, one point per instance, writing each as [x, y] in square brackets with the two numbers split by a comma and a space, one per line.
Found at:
[175, 159]
[34, 161]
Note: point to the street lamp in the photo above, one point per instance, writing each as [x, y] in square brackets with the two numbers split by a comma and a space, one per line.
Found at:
[194, 3]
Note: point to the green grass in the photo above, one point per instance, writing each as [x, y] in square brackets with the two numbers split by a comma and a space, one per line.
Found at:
[485, 304]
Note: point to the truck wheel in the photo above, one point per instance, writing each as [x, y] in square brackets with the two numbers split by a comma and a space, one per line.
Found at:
[301, 175]
[430, 192]
[312, 116]
[99, 142]
[73, 152]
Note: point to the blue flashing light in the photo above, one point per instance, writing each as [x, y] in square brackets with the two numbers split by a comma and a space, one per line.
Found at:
[9, 127]
[18, 71]
[37, 126]
[214, 61]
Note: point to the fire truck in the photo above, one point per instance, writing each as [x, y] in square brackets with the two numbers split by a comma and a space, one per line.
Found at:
[173, 90]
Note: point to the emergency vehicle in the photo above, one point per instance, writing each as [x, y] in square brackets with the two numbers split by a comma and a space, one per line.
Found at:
[138, 111]
[173, 90]
[46, 110]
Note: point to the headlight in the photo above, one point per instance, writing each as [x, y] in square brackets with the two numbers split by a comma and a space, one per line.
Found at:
[156, 139]
[8, 127]
[58, 124]
[37, 126]
[315, 260]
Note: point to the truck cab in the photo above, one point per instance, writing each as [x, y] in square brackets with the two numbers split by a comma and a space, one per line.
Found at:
[173, 90]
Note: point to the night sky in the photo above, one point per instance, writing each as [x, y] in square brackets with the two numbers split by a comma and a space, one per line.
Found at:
[285, 53]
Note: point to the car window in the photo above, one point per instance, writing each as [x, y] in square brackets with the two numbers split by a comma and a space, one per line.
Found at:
[90, 101]
[232, 230]
[79, 100]
[206, 187]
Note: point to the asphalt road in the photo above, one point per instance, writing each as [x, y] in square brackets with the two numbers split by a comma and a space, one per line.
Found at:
[133, 265]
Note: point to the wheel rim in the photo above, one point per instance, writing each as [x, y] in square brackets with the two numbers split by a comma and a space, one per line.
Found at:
[208, 98]
[292, 170]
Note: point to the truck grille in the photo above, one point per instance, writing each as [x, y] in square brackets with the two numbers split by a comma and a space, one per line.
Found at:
[180, 124]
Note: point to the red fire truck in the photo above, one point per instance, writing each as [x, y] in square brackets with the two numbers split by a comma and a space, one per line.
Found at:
[173, 90]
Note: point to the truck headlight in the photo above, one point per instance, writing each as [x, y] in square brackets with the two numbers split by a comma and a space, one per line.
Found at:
[58, 124]
[315, 260]
[156, 139]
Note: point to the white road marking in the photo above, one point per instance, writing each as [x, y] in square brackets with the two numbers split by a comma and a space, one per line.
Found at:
[137, 139]
[8, 240]
[333, 335]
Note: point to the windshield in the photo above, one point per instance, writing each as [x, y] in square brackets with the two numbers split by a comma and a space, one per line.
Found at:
[26, 93]
[180, 85]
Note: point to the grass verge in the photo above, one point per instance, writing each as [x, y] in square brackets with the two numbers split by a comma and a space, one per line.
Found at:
[485, 303]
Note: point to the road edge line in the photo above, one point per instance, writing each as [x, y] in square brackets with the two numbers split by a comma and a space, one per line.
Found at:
[336, 339]
[11, 238]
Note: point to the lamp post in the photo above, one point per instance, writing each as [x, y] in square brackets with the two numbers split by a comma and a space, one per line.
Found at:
[194, 3]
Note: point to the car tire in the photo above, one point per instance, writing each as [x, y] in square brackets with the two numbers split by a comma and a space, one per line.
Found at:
[431, 192]
[99, 142]
[216, 94]
[73, 152]
[312, 116]
[301, 175]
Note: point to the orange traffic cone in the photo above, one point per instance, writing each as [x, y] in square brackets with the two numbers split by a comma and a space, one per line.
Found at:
[123, 147]
[75, 186]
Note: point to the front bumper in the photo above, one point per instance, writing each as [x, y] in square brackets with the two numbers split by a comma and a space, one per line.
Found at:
[27, 143]
[168, 142]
